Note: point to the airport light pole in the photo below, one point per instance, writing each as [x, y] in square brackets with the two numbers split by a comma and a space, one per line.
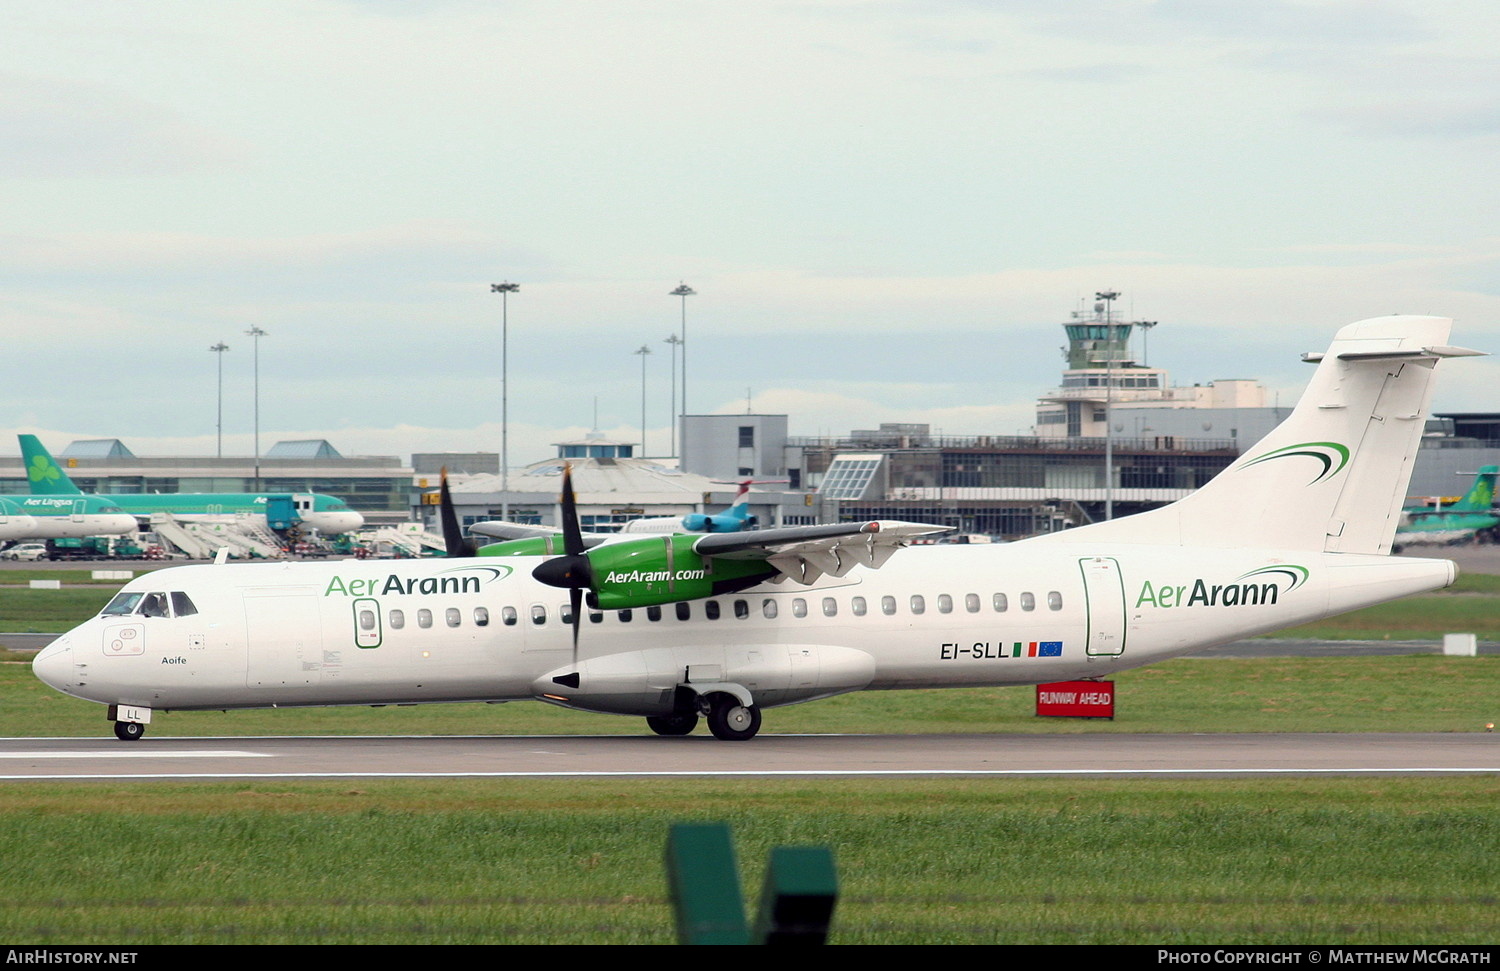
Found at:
[1145, 326]
[505, 290]
[643, 352]
[684, 291]
[1108, 297]
[256, 334]
[219, 349]
[676, 342]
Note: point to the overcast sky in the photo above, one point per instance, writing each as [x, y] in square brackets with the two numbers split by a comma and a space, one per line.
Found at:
[886, 208]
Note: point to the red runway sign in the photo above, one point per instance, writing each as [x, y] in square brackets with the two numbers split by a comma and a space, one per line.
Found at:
[1076, 699]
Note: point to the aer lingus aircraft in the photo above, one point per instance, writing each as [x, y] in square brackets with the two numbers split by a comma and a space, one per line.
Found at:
[60, 517]
[1456, 523]
[327, 514]
[726, 625]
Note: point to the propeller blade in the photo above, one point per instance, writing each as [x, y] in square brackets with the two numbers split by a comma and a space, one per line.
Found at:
[454, 542]
[575, 599]
[572, 533]
[571, 570]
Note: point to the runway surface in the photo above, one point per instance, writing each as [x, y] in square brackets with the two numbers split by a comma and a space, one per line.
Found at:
[767, 756]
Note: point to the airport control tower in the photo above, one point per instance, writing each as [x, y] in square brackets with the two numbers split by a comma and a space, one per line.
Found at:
[1101, 370]
[1104, 377]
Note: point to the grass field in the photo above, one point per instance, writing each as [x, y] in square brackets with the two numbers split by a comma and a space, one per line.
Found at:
[1405, 693]
[1308, 861]
[1372, 861]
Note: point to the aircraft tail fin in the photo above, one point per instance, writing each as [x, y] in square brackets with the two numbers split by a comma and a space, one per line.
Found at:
[740, 507]
[1481, 495]
[44, 475]
[1333, 475]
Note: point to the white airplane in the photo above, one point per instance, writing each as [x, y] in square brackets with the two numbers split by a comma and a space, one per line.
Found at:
[724, 626]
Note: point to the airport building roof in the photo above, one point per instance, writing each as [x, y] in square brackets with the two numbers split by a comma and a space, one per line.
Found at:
[311, 448]
[97, 448]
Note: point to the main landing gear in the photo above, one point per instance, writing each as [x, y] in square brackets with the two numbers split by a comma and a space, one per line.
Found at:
[728, 719]
[672, 724]
[129, 731]
[731, 721]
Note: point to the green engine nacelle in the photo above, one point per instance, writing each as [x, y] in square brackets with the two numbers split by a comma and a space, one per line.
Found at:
[665, 569]
[532, 546]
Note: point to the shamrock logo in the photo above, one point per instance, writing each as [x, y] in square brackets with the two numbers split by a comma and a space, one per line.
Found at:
[41, 470]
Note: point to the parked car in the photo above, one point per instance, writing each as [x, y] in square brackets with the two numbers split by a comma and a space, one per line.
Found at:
[26, 551]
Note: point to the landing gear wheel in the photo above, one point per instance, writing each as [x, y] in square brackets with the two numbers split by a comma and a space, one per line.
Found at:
[731, 721]
[672, 724]
[129, 731]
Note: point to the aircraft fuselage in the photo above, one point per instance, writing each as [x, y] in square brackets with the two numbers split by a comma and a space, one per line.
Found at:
[388, 632]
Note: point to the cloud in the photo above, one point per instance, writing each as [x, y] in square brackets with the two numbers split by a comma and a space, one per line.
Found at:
[56, 128]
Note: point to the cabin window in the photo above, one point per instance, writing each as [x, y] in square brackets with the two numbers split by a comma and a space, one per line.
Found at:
[830, 607]
[596, 617]
[945, 604]
[857, 606]
[971, 602]
[918, 603]
[768, 608]
[1028, 601]
[123, 603]
[538, 614]
[624, 616]
[182, 605]
[799, 607]
[453, 616]
[1001, 603]
[508, 616]
[565, 613]
[888, 606]
[684, 610]
[653, 613]
[1054, 600]
[424, 617]
[367, 619]
[741, 609]
[398, 619]
[711, 610]
[481, 616]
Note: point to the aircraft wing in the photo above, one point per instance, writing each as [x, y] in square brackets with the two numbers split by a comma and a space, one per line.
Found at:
[805, 553]
[500, 529]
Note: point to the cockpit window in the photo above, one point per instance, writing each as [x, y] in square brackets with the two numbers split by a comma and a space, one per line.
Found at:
[182, 606]
[154, 604]
[123, 603]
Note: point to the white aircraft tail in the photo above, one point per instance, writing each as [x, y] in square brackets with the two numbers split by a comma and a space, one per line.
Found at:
[1333, 475]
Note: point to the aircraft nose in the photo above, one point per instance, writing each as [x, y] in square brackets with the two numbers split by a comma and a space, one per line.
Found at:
[53, 665]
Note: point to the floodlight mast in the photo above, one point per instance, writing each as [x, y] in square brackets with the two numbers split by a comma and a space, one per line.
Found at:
[1108, 298]
[684, 291]
[505, 290]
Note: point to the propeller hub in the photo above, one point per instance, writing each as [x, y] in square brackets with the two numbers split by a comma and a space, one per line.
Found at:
[568, 572]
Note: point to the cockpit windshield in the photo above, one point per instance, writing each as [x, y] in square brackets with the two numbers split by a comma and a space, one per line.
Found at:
[123, 603]
[153, 604]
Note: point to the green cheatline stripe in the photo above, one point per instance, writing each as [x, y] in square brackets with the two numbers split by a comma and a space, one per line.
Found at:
[1310, 449]
[1299, 574]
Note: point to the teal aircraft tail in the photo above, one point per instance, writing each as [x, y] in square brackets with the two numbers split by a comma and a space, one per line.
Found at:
[44, 475]
[1482, 495]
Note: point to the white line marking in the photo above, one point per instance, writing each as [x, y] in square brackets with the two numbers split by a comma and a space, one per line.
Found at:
[801, 773]
[136, 754]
